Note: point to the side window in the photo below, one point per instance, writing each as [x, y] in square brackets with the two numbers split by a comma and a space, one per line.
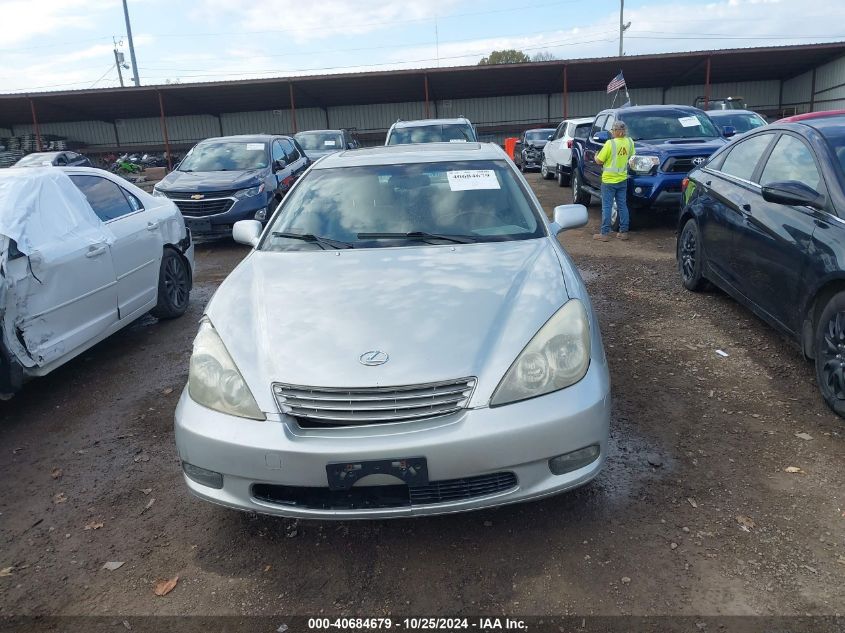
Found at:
[61, 160]
[133, 201]
[597, 125]
[742, 160]
[607, 124]
[559, 131]
[104, 196]
[581, 131]
[290, 151]
[278, 153]
[791, 160]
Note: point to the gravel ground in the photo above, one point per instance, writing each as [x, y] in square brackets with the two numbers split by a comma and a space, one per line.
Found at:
[694, 514]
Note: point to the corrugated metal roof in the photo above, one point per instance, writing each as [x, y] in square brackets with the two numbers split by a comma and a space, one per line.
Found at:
[464, 82]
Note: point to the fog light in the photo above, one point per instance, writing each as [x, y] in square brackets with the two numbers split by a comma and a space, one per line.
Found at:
[202, 476]
[261, 215]
[638, 190]
[563, 464]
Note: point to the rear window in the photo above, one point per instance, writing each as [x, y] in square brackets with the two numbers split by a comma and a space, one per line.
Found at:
[833, 130]
[432, 134]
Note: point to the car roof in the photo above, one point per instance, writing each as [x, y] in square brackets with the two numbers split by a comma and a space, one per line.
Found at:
[730, 112]
[255, 138]
[412, 153]
[811, 115]
[309, 131]
[423, 122]
[44, 154]
[581, 120]
[650, 108]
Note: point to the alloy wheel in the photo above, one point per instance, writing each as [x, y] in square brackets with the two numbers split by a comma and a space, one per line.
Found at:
[689, 253]
[833, 355]
[175, 282]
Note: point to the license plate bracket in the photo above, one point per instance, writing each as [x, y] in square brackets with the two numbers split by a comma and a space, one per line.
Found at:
[198, 226]
[343, 475]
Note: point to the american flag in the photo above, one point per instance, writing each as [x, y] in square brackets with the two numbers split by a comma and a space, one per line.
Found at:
[616, 83]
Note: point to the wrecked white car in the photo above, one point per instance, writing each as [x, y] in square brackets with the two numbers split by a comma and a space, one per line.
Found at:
[83, 253]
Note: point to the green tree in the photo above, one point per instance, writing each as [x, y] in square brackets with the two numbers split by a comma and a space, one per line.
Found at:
[509, 56]
[543, 56]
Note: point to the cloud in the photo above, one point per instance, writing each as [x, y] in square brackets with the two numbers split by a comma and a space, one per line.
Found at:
[28, 19]
[311, 21]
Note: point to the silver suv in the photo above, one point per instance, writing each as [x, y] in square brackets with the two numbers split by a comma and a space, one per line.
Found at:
[458, 130]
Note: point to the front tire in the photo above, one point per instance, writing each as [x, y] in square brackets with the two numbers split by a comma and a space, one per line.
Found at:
[174, 286]
[690, 257]
[830, 353]
[579, 195]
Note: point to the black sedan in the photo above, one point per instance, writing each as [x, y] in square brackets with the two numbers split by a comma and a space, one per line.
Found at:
[764, 220]
[56, 159]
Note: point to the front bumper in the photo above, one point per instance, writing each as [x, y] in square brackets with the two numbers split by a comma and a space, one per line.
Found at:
[220, 224]
[518, 438]
[661, 191]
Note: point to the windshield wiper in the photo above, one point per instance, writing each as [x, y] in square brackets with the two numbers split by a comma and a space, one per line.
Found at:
[322, 242]
[418, 235]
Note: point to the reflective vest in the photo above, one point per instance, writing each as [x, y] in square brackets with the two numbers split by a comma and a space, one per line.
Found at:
[616, 165]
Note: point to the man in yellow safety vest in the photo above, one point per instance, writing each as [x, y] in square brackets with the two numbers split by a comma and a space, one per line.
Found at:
[613, 158]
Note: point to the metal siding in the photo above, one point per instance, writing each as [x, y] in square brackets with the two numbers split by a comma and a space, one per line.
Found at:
[377, 116]
[497, 110]
[310, 119]
[757, 94]
[190, 129]
[261, 122]
[5, 132]
[797, 89]
[89, 132]
[830, 74]
[139, 131]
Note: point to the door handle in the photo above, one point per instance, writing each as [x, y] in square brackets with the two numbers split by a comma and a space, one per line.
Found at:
[746, 207]
[95, 251]
[152, 226]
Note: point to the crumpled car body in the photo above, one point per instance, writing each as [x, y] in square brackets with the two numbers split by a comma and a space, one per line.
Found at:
[71, 276]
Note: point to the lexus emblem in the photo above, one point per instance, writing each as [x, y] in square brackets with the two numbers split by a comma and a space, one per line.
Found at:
[698, 161]
[197, 196]
[372, 358]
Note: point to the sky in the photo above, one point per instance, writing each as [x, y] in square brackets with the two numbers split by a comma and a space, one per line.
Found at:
[67, 44]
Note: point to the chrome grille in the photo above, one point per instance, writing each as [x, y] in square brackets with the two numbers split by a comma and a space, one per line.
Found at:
[373, 405]
[186, 195]
[199, 208]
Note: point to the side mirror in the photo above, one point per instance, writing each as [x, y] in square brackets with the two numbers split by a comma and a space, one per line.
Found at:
[247, 232]
[350, 146]
[551, 136]
[601, 137]
[569, 216]
[728, 131]
[279, 164]
[792, 192]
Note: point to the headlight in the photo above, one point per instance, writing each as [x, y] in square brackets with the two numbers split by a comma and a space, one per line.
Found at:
[213, 379]
[558, 356]
[157, 192]
[643, 164]
[249, 193]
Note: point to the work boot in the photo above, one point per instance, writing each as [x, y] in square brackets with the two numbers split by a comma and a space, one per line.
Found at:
[601, 237]
[623, 236]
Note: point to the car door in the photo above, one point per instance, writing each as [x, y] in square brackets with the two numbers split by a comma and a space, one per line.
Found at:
[773, 240]
[138, 245]
[552, 148]
[592, 170]
[277, 154]
[723, 188]
[66, 295]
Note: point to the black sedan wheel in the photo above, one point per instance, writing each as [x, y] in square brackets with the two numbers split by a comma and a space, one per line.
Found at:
[830, 353]
[690, 257]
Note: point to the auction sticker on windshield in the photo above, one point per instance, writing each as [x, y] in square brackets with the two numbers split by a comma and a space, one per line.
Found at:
[689, 121]
[254, 146]
[472, 179]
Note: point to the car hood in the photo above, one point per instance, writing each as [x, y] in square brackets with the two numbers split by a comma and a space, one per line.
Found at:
[439, 312]
[702, 146]
[210, 180]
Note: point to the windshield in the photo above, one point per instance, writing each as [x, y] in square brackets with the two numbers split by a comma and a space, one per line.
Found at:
[436, 133]
[660, 124]
[479, 200]
[740, 122]
[226, 156]
[538, 135]
[319, 140]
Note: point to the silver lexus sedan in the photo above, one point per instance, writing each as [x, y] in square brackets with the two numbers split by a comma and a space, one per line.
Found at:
[406, 338]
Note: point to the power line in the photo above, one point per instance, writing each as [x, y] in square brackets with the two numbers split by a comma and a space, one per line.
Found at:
[108, 70]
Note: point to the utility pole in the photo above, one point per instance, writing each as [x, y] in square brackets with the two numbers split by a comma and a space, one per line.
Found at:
[131, 45]
[119, 60]
[622, 26]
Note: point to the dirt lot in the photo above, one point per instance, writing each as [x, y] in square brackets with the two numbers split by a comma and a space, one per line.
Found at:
[90, 475]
